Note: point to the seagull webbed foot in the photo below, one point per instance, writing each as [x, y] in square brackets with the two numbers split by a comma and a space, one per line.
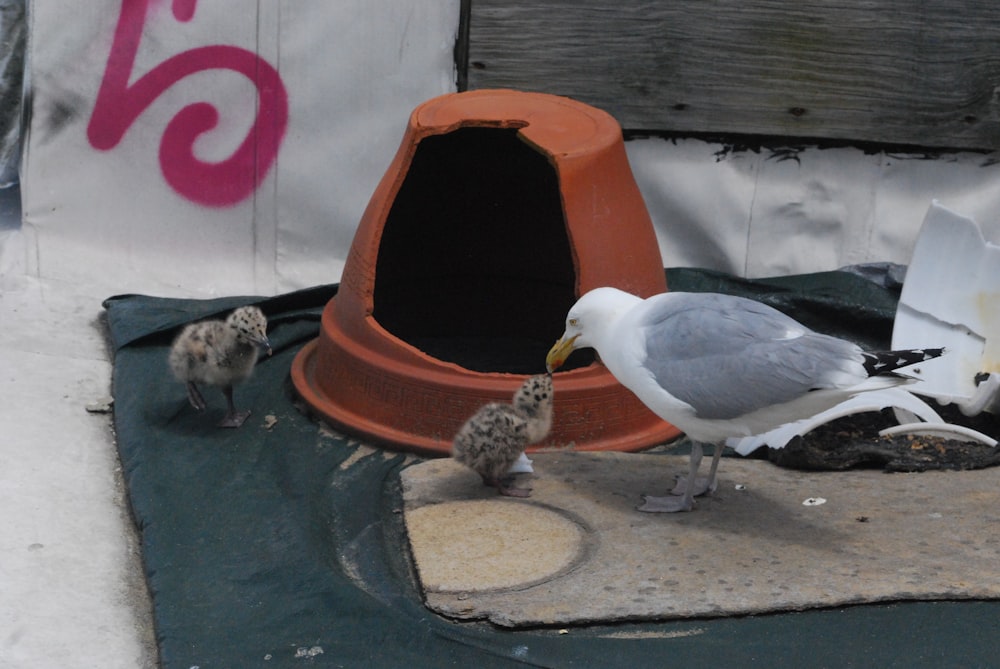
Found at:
[669, 504]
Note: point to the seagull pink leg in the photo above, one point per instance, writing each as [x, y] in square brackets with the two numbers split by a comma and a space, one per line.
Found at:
[716, 456]
[676, 503]
[702, 486]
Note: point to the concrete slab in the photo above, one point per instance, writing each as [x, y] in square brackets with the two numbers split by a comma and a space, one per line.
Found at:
[514, 544]
[73, 593]
[770, 539]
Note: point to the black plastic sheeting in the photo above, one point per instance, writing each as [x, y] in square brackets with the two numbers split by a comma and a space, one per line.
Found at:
[260, 550]
[13, 42]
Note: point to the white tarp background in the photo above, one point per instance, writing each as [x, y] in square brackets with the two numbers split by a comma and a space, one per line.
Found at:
[764, 213]
[351, 72]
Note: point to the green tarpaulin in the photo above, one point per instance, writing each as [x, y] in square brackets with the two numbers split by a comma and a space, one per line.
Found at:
[276, 545]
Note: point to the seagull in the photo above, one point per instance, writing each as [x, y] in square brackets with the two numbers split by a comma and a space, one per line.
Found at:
[719, 366]
[222, 354]
[495, 437]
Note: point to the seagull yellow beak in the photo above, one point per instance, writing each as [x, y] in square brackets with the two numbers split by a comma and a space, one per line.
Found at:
[559, 352]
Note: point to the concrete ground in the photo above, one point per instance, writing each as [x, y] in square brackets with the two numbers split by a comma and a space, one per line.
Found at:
[770, 539]
[73, 594]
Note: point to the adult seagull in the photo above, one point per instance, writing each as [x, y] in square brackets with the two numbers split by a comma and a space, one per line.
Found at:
[719, 366]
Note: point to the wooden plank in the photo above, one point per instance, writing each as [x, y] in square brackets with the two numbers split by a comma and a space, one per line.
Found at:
[916, 72]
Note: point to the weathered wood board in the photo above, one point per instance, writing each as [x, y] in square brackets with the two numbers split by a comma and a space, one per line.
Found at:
[921, 73]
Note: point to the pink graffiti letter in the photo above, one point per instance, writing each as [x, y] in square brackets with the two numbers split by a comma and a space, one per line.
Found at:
[120, 103]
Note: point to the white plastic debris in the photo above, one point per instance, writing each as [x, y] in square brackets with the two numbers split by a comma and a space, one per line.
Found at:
[951, 298]
[521, 466]
[103, 405]
[943, 430]
[876, 400]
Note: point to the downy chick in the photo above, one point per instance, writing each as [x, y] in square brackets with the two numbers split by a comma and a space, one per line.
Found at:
[221, 354]
[497, 434]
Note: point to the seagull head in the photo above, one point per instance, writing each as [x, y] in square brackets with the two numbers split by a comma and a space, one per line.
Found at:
[588, 323]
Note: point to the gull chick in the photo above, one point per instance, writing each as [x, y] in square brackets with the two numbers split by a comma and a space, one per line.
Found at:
[719, 366]
[496, 435]
[221, 354]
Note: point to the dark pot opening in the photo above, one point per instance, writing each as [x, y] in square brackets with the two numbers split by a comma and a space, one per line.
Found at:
[474, 264]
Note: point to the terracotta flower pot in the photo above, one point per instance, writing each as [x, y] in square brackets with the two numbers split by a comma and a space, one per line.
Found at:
[498, 211]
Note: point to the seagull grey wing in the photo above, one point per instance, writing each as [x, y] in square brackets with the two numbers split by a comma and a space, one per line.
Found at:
[727, 356]
[693, 325]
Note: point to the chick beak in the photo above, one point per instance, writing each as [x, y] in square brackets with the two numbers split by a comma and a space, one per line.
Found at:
[559, 352]
[265, 344]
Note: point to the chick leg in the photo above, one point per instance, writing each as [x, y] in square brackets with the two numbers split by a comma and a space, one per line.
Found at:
[506, 487]
[194, 397]
[675, 503]
[233, 417]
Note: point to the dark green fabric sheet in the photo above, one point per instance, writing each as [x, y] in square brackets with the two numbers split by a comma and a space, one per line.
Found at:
[259, 547]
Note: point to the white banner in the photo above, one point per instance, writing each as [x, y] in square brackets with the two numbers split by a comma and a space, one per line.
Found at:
[179, 146]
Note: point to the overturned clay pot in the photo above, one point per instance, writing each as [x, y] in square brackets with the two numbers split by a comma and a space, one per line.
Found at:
[499, 210]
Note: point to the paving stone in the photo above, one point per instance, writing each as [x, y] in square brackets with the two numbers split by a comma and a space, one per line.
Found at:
[770, 539]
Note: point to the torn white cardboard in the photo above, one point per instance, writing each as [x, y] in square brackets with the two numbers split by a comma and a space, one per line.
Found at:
[951, 298]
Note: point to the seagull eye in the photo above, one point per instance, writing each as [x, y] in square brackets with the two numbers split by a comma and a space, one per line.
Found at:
[574, 322]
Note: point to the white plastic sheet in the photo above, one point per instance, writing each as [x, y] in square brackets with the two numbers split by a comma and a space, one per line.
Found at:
[103, 209]
[103, 200]
[757, 213]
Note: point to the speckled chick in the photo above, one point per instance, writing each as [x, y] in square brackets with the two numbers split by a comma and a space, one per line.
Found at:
[496, 435]
[221, 354]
